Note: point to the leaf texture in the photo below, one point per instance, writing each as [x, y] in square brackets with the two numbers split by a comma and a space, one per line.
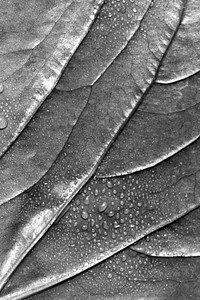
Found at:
[181, 238]
[100, 192]
[107, 216]
[183, 58]
[130, 275]
[37, 41]
[29, 158]
[114, 26]
[111, 102]
[26, 162]
[165, 122]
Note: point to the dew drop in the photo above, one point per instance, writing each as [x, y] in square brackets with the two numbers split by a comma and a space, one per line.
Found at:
[78, 202]
[116, 225]
[3, 122]
[121, 196]
[84, 215]
[126, 211]
[1, 88]
[102, 207]
[113, 235]
[105, 225]
[101, 250]
[99, 217]
[111, 213]
[103, 191]
[84, 227]
[109, 184]
[92, 222]
[96, 192]
[109, 276]
[87, 200]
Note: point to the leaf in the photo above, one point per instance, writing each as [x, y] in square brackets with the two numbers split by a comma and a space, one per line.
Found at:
[26, 162]
[181, 238]
[183, 58]
[166, 122]
[111, 102]
[37, 41]
[30, 157]
[113, 28]
[88, 63]
[129, 275]
[107, 216]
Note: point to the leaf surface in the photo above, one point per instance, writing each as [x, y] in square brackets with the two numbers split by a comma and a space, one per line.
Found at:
[37, 41]
[114, 26]
[88, 63]
[183, 58]
[33, 153]
[112, 101]
[129, 275]
[166, 121]
[107, 216]
[181, 238]
[29, 158]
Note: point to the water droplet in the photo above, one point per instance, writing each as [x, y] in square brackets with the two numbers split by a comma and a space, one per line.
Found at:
[113, 235]
[105, 225]
[116, 225]
[78, 202]
[103, 191]
[109, 184]
[147, 238]
[126, 211]
[84, 227]
[85, 215]
[101, 250]
[92, 222]
[96, 192]
[102, 207]
[3, 122]
[87, 200]
[111, 213]
[121, 196]
[109, 276]
[99, 217]
[1, 88]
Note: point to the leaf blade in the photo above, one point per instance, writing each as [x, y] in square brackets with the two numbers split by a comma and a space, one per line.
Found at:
[98, 225]
[36, 73]
[183, 57]
[166, 122]
[130, 275]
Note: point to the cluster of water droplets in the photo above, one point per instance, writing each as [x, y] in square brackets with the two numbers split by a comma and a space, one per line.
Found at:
[109, 214]
[3, 120]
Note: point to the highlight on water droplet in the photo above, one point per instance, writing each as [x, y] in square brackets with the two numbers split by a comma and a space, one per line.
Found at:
[1, 88]
[109, 184]
[102, 207]
[84, 215]
[3, 122]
